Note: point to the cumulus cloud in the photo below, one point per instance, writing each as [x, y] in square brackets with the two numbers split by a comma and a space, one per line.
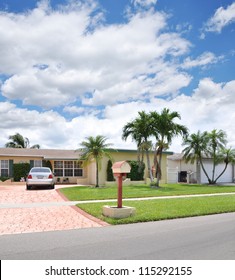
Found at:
[58, 58]
[144, 3]
[54, 58]
[204, 59]
[210, 106]
[74, 110]
[221, 18]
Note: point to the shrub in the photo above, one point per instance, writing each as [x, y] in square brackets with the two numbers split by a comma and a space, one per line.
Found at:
[137, 170]
[20, 170]
[2, 178]
[47, 163]
[110, 177]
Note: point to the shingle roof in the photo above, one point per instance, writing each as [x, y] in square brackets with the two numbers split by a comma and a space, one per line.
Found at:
[41, 153]
[51, 153]
[176, 156]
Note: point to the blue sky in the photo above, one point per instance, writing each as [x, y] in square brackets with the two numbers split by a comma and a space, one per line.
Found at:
[71, 69]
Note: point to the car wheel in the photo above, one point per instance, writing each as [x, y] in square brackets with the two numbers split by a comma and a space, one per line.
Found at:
[52, 187]
[28, 187]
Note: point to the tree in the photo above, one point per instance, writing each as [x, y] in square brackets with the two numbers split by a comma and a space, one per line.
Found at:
[196, 147]
[18, 141]
[109, 171]
[226, 155]
[95, 148]
[140, 131]
[210, 145]
[216, 143]
[164, 129]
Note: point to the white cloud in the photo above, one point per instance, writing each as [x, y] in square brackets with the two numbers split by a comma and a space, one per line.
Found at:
[204, 59]
[74, 110]
[63, 57]
[53, 59]
[144, 3]
[210, 106]
[221, 18]
[184, 27]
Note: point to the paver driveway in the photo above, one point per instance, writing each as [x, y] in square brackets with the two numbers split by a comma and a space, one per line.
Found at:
[17, 219]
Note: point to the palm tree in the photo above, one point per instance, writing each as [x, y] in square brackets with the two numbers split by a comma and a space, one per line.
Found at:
[140, 131]
[196, 147]
[164, 129]
[18, 141]
[95, 148]
[226, 155]
[210, 145]
[216, 142]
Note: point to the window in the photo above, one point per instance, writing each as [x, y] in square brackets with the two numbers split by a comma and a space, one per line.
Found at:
[37, 163]
[58, 168]
[78, 169]
[68, 168]
[4, 164]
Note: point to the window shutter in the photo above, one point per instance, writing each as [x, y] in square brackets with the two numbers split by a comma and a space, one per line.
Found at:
[31, 162]
[11, 170]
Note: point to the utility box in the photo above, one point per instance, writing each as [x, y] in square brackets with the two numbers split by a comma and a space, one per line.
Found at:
[121, 168]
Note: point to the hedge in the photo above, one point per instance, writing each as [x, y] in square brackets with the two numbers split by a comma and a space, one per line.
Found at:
[137, 170]
[110, 176]
[136, 174]
[20, 170]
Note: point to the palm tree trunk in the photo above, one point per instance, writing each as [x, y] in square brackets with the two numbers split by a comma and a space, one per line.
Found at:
[226, 165]
[159, 170]
[204, 170]
[149, 167]
[213, 170]
[97, 174]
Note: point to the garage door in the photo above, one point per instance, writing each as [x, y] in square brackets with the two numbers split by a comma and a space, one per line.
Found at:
[225, 178]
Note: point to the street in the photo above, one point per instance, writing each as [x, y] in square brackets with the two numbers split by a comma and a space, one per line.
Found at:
[208, 237]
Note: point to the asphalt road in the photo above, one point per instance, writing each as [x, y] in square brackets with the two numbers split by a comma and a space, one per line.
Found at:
[209, 237]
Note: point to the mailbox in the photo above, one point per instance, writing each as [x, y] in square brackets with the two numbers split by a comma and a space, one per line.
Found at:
[121, 168]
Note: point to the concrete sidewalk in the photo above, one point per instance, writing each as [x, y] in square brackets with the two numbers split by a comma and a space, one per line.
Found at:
[73, 203]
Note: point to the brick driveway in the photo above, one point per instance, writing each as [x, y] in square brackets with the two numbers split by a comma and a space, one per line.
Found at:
[34, 218]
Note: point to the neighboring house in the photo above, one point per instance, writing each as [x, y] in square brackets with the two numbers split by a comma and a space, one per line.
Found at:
[180, 171]
[66, 164]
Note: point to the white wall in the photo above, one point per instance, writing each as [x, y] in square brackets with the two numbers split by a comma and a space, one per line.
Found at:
[175, 166]
[227, 177]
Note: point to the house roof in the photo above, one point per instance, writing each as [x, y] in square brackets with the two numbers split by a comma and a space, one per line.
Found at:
[176, 156]
[40, 153]
[135, 151]
[56, 154]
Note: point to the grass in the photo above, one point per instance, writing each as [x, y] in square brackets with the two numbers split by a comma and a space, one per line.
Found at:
[91, 193]
[158, 209]
[155, 210]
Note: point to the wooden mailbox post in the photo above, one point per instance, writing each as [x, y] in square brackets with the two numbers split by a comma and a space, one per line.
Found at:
[120, 170]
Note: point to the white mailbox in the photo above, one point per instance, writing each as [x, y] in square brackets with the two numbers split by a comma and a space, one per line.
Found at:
[121, 168]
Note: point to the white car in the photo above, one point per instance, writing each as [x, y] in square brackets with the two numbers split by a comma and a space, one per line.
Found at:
[40, 176]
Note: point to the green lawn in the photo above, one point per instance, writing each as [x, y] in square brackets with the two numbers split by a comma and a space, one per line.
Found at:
[160, 209]
[91, 193]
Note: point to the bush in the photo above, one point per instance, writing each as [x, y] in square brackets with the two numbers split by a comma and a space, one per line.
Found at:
[47, 163]
[136, 174]
[110, 177]
[20, 170]
[137, 170]
[2, 178]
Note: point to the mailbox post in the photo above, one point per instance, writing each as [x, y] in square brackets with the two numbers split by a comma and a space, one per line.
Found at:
[120, 169]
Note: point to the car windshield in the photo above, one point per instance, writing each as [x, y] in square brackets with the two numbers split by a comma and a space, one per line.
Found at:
[38, 169]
